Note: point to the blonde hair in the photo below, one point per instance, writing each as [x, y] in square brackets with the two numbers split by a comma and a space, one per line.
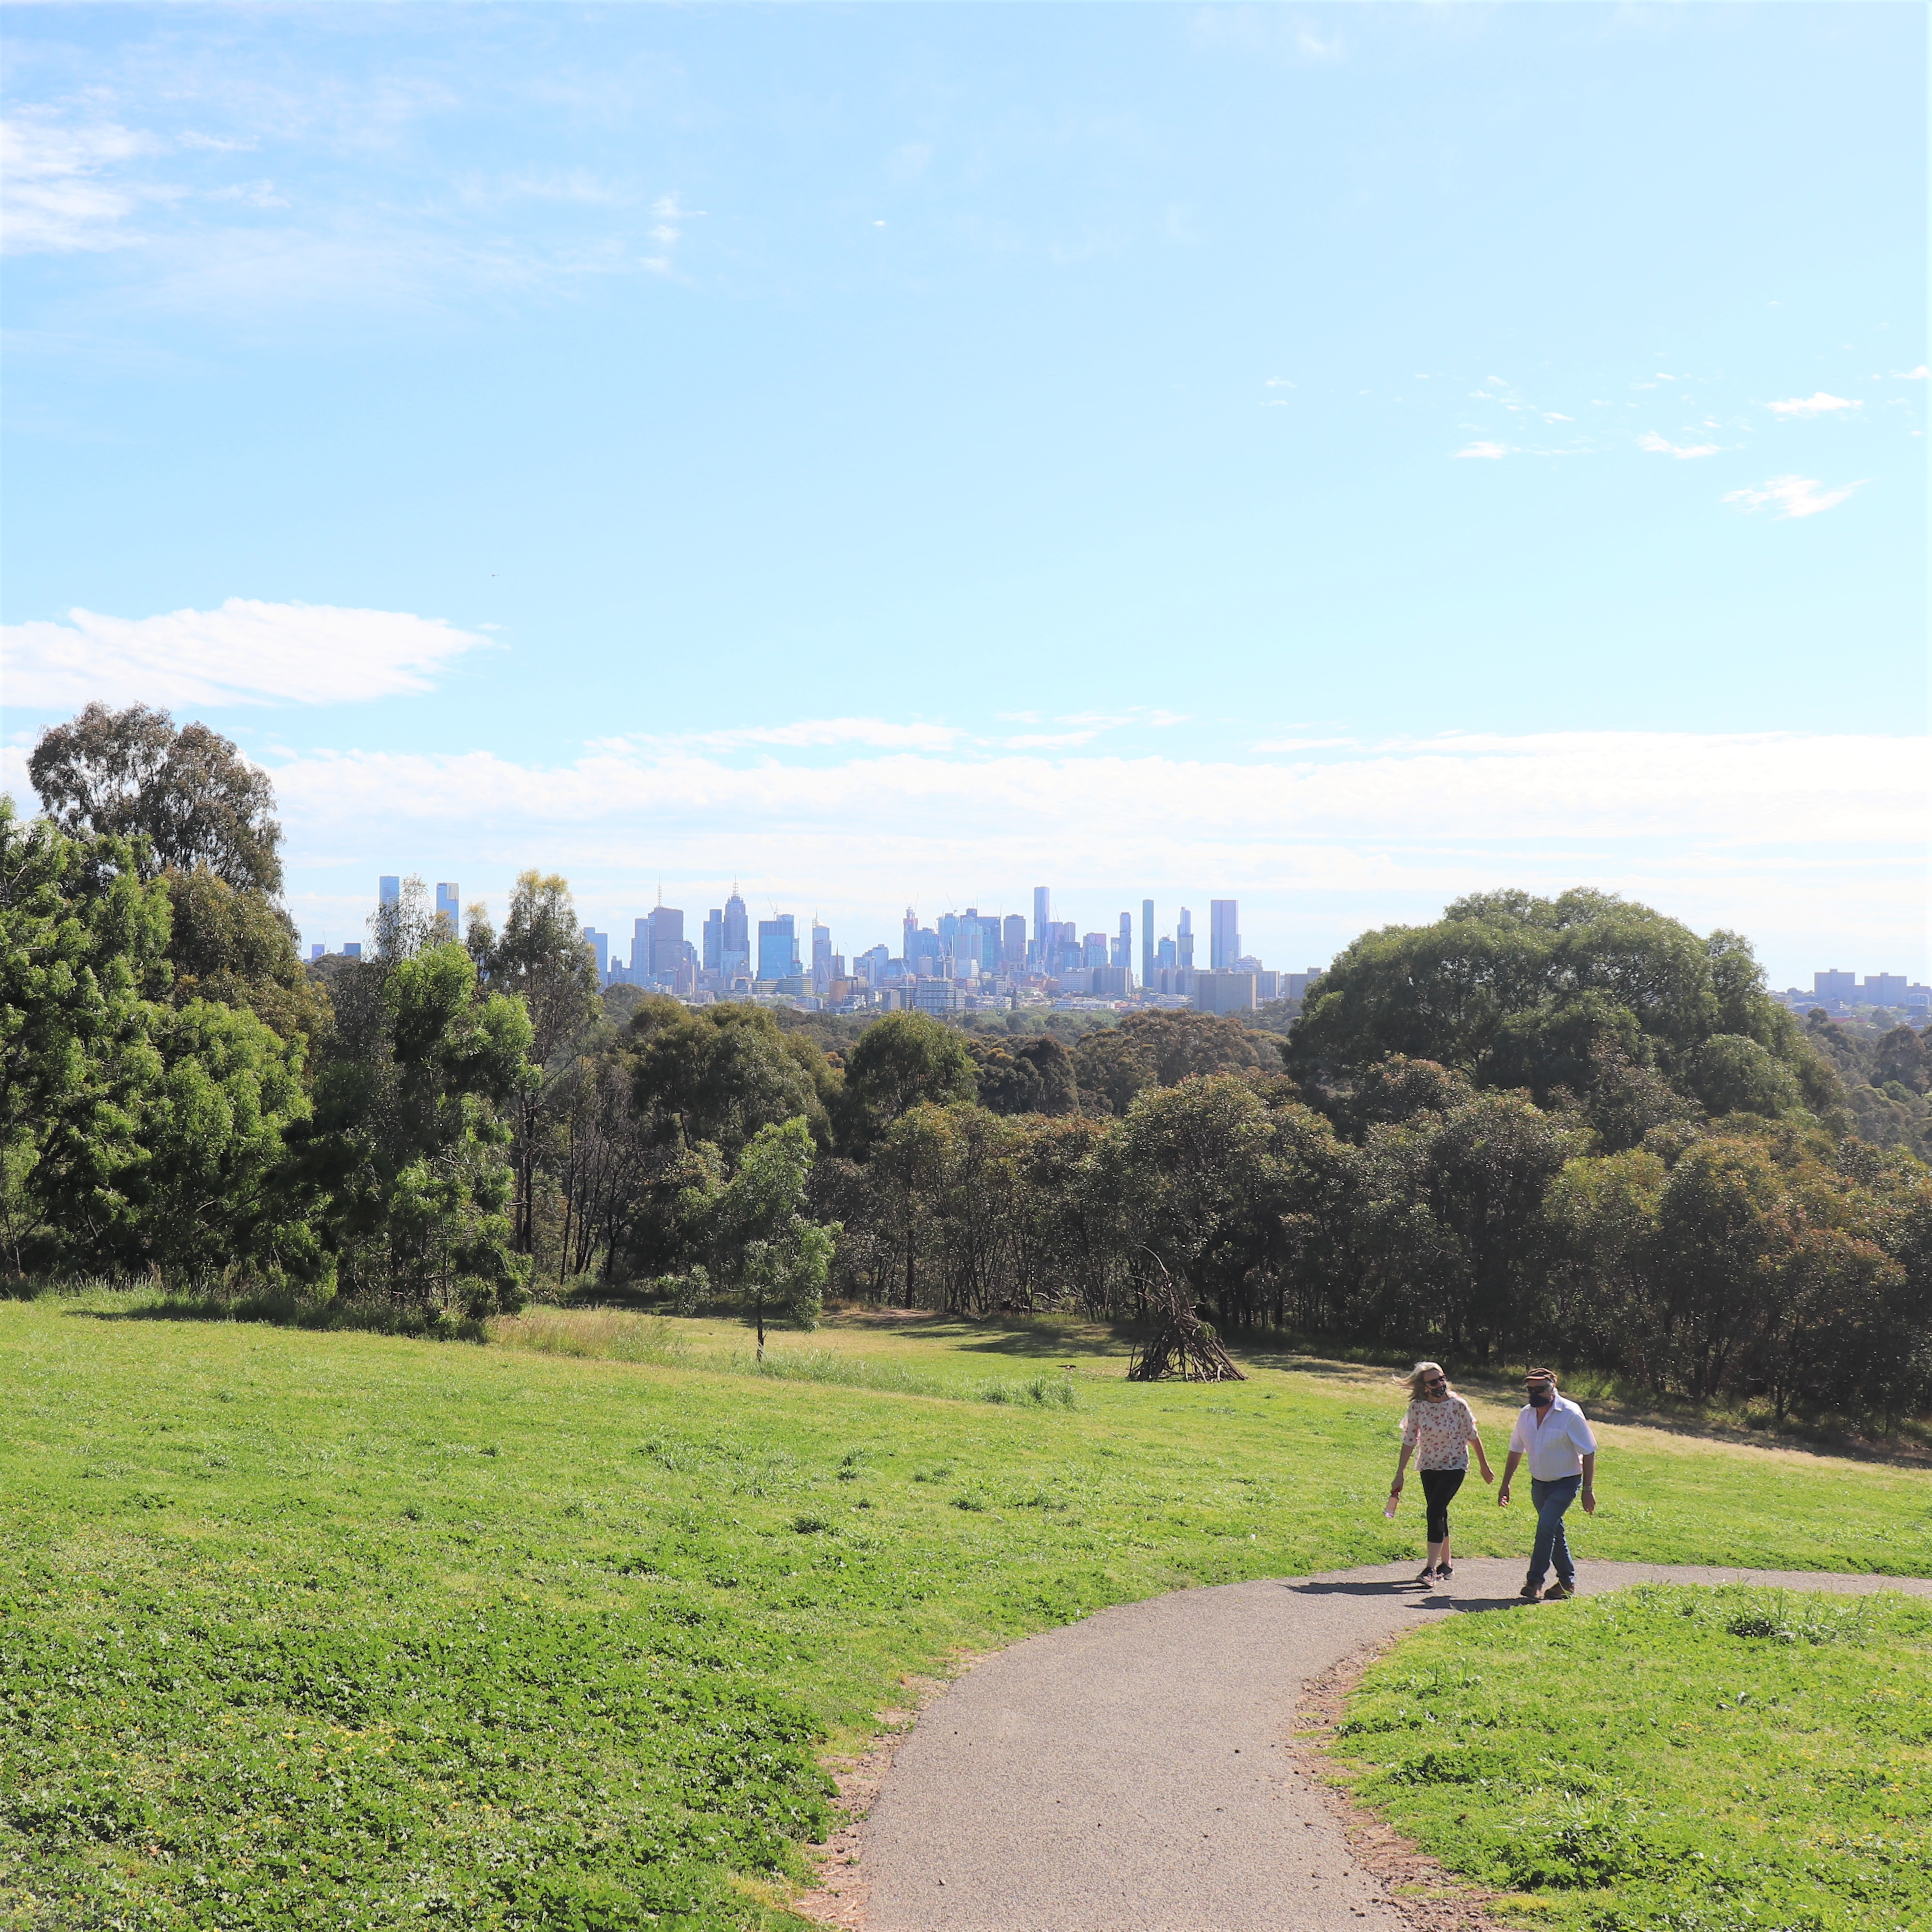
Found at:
[1420, 1373]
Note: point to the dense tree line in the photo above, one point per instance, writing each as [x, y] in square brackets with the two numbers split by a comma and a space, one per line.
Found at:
[1571, 1128]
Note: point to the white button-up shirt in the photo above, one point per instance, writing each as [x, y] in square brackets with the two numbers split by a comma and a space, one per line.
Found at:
[1555, 1446]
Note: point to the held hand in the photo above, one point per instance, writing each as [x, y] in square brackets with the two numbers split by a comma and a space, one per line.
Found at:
[1589, 1502]
[1489, 1474]
[1395, 1488]
[1502, 1497]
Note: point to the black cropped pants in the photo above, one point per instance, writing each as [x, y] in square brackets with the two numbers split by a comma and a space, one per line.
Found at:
[1437, 1486]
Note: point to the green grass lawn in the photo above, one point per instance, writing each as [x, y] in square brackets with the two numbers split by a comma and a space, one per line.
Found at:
[303, 1628]
[1666, 1759]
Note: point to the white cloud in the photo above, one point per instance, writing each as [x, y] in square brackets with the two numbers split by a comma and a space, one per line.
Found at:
[1491, 450]
[60, 195]
[246, 652]
[1917, 375]
[1801, 495]
[1683, 452]
[1820, 405]
[809, 733]
[1750, 788]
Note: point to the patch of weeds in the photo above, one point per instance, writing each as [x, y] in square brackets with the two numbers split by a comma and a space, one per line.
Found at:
[807, 1524]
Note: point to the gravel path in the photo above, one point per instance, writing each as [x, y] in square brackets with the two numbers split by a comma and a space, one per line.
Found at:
[1131, 1772]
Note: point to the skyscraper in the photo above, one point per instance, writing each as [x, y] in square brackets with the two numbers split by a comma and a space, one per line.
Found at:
[1123, 947]
[714, 940]
[1042, 914]
[667, 938]
[1224, 939]
[821, 956]
[599, 943]
[389, 889]
[1013, 944]
[640, 951]
[446, 906]
[1147, 942]
[735, 954]
[1183, 940]
[778, 948]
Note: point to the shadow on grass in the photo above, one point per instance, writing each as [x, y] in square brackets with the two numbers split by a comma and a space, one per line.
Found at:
[350, 1319]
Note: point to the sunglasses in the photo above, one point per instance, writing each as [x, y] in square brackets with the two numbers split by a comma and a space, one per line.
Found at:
[1434, 1381]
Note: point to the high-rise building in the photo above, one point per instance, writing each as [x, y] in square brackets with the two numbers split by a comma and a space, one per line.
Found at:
[1042, 914]
[735, 956]
[1093, 949]
[1224, 992]
[1013, 943]
[714, 940]
[599, 943]
[778, 948]
[640, 951]
[1834, 985]
[1147, 940]
[666, 926]
[1224, 940]
[316, 951]
[1884, 989]
[352, 948]
[1123, 947]
[975, 945]
[821, 957]
[870, 966]
[908, 937]
[389, 891]
[447, 909]
[1183, 941]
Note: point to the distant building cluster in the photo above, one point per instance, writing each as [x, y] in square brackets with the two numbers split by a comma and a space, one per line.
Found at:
[962, 961]
[1844, 996]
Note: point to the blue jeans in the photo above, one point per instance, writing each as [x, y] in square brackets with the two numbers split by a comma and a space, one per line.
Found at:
[1550, 1500]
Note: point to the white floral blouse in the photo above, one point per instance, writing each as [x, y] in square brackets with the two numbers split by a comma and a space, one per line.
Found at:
[1440, 1433]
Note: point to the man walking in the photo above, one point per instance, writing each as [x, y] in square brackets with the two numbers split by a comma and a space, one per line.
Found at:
[1562, 1452]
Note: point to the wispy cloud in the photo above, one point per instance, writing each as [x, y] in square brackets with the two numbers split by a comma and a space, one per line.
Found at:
[813, 734]
[1683, 452]
[1493, 450]
[1820, 405]
[1801, 495]
[1918, 375]
[246, 652]
[1750, 787]
[61, 194]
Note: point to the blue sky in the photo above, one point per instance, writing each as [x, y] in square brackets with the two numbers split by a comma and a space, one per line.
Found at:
[1338, 457]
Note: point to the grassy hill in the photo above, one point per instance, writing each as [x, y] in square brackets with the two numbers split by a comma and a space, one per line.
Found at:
[348, 1630]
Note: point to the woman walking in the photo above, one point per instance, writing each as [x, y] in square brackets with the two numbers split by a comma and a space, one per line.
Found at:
[1438, 1432]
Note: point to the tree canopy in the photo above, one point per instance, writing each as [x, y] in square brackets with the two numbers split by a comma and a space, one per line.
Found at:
[1566, 995]
[189, 793]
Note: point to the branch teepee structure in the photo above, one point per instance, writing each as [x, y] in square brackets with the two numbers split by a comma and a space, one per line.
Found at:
[1179, 1347]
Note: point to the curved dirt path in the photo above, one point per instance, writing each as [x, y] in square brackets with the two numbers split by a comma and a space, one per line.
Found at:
[1133, 1773]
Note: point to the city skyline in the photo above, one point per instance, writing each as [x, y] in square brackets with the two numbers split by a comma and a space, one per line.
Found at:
[1008, 949]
